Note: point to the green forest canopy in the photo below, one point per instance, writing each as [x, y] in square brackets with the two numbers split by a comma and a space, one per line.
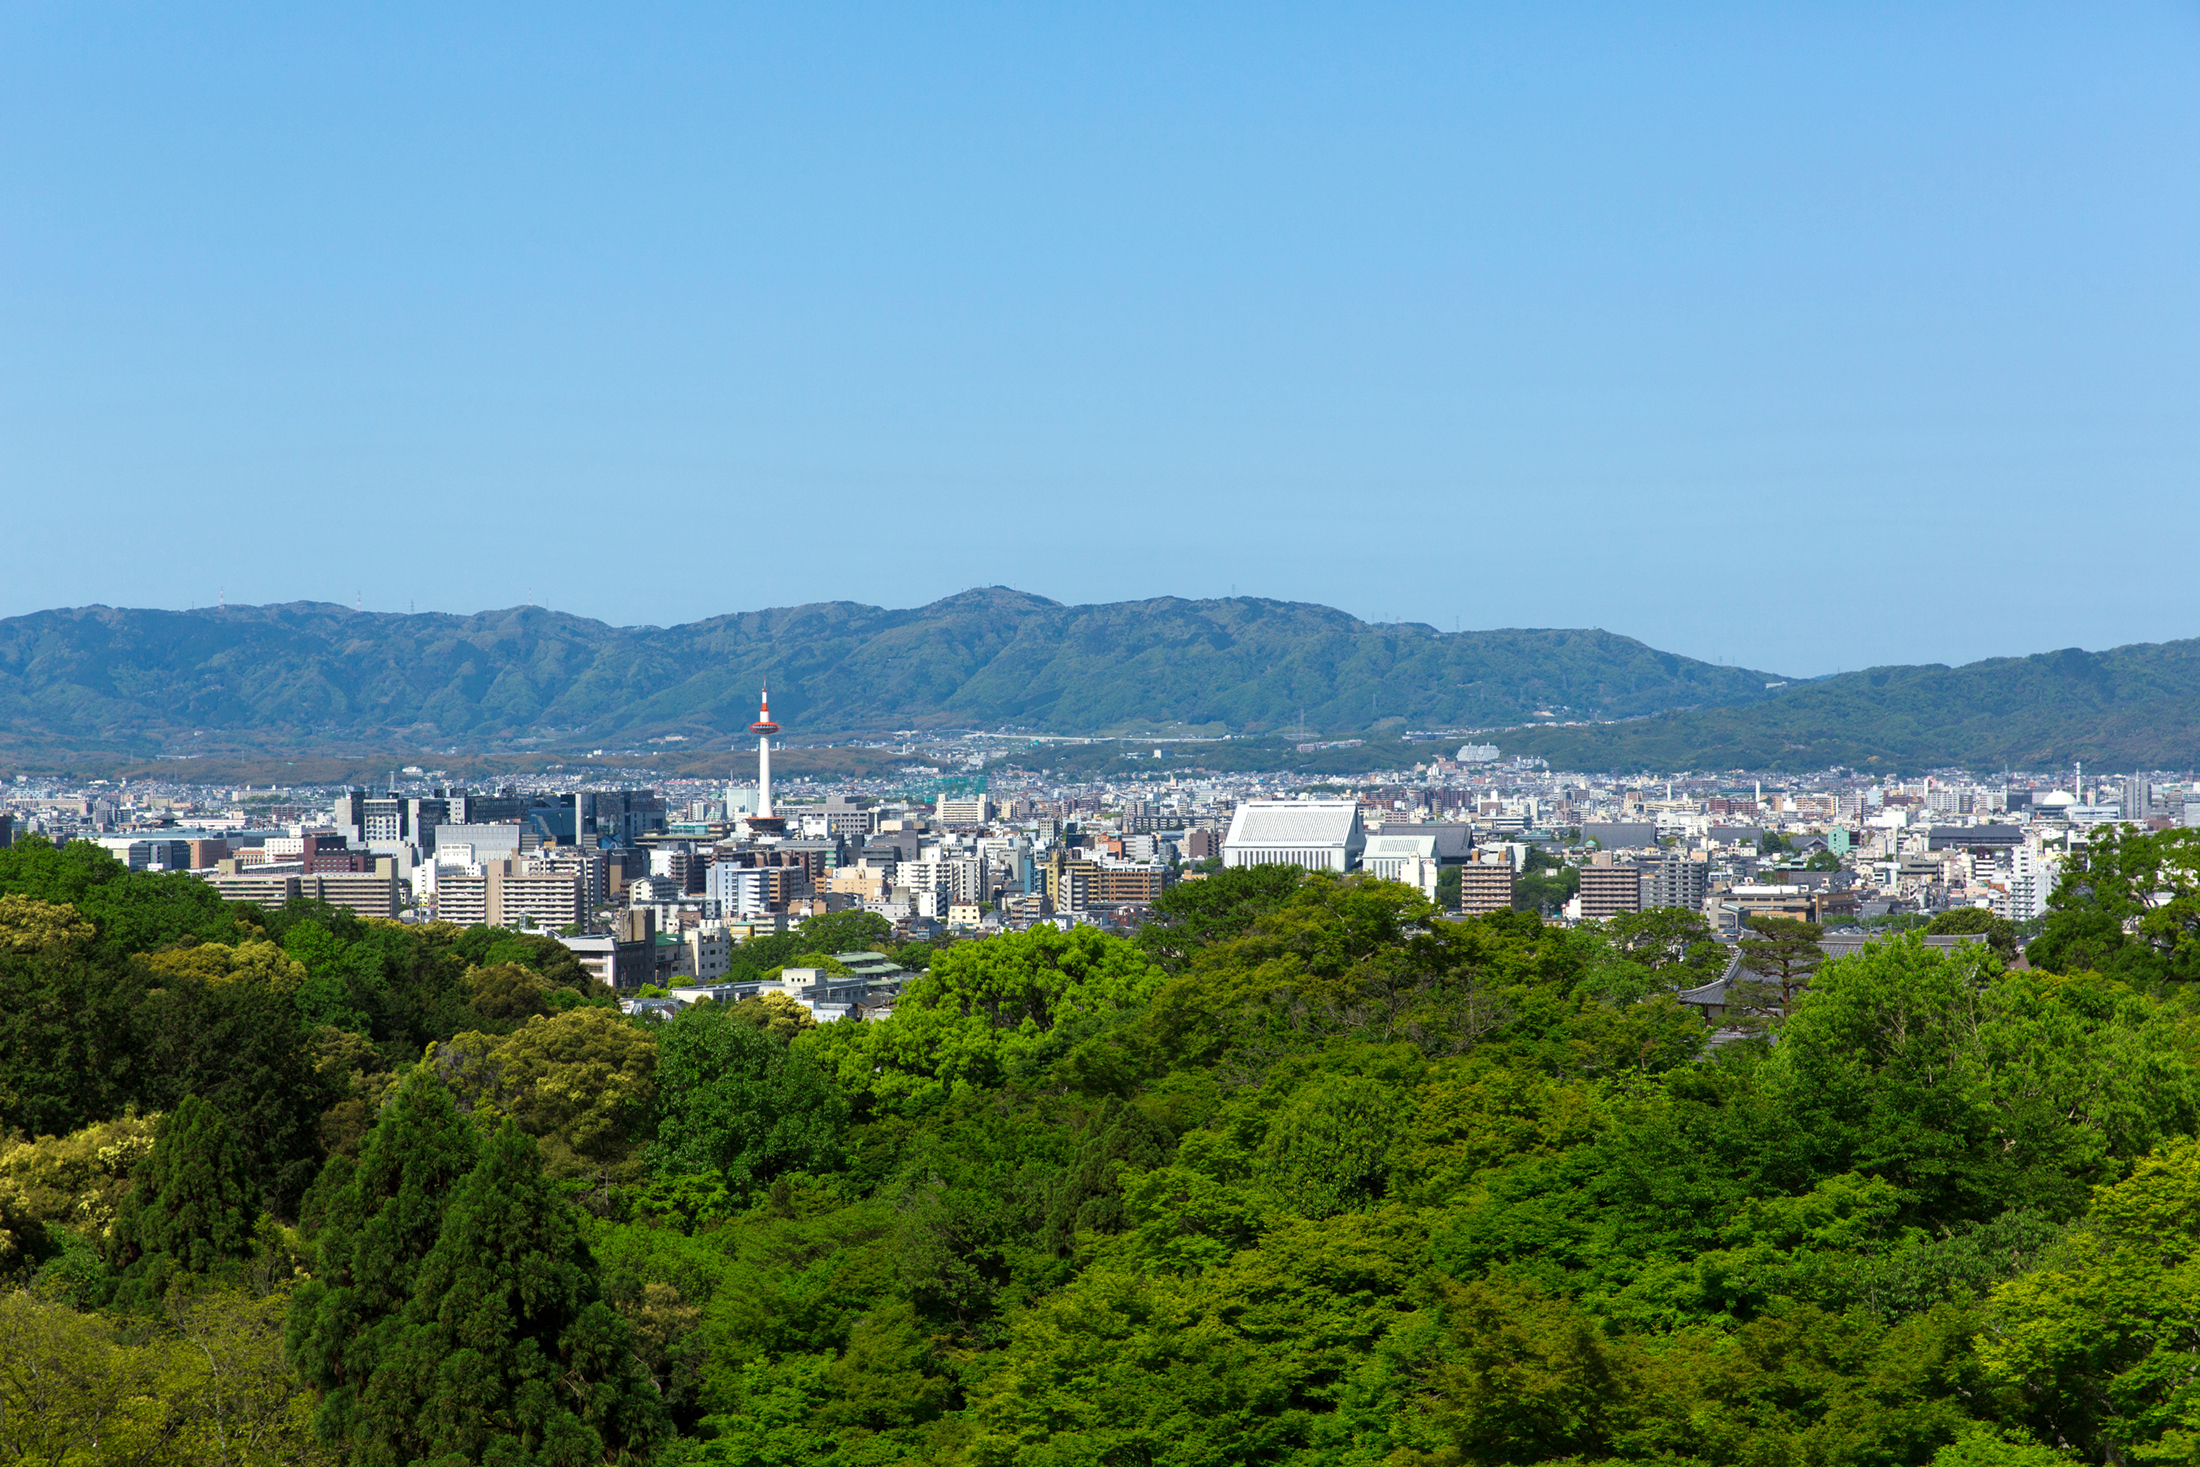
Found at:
[1304, 1173]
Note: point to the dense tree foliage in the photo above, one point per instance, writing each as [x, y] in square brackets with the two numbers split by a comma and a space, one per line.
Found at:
[1304, 1173]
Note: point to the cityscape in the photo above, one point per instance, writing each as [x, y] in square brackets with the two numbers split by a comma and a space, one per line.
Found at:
[658, 885]
[1418, 735]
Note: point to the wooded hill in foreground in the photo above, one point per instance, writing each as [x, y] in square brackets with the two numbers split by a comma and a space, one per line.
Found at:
[1305, 1174]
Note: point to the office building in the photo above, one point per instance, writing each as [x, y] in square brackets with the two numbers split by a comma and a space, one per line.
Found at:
[494, 841]
[1620, 836]
[963, 810]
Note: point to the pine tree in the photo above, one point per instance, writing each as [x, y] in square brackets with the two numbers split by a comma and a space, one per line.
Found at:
[195, 1204]
[372, 1223]
[1780, 960]
[507, 1352]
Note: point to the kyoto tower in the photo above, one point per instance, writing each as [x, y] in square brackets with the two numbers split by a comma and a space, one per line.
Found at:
[763, 821]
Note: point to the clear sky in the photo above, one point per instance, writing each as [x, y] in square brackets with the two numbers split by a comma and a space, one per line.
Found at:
[1802, 336]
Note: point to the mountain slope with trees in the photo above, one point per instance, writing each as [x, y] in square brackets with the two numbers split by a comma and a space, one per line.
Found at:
[305, 674]
[2135, 707]
[306, 678]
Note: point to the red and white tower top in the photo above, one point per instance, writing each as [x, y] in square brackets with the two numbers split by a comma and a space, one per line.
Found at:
[764, 724]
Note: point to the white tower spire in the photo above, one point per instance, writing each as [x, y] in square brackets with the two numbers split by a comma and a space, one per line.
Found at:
[764, 728]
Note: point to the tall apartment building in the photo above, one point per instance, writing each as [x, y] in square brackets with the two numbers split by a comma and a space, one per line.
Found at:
[1484, 887]
[738, 890]
[586, 865]
[1676, 880]
[2028, 881]
[1069, 883]
[1607, 891]
[511, 893]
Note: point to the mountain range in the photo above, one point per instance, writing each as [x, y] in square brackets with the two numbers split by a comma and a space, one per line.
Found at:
[2133, 707]
[309, 677]
[308, 673]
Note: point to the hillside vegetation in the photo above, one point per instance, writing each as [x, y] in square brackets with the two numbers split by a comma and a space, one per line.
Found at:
[1306, 1174]
[2135, 707]
[306, 675]
[238, 686]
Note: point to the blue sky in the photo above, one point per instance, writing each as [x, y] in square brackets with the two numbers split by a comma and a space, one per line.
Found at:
[1800, 336]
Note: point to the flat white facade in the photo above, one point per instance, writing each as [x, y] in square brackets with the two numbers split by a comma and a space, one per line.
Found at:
[1388, 855]
[1321, 835]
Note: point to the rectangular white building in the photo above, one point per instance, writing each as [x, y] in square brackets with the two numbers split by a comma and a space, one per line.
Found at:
[1321, 835]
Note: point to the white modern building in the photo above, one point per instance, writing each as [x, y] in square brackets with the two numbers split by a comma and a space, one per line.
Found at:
[1321, 835]
[1388, 853]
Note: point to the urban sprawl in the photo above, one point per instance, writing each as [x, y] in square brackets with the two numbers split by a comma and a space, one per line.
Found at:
[655, 886]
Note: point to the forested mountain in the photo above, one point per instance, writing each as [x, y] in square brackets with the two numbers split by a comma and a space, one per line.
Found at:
[309, 677]
[2135, 707]
[1305, 1175]
[305, 674]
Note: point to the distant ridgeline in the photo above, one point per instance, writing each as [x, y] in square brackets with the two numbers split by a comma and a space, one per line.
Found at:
[98, 677]
[2135, 707]
[308, 676]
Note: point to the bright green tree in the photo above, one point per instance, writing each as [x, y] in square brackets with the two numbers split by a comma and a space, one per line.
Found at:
[1007, 1008]
[2102, 1338]
[2000, 932]
[2127, 903]
[739, 1102]
[1194, 914]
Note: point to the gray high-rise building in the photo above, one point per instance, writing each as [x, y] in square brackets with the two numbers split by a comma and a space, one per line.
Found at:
[1674, 881]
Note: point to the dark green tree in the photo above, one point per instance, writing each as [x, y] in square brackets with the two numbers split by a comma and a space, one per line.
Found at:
[2001, 933]
[1779, 960]
[506, 1351]
[1193, 914]
[242, 1047]
[195, 1203]
[371, 1225]
[136, 911]
[70, 1051]
[1545, 883]
[1673, 942]
[846, 932]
